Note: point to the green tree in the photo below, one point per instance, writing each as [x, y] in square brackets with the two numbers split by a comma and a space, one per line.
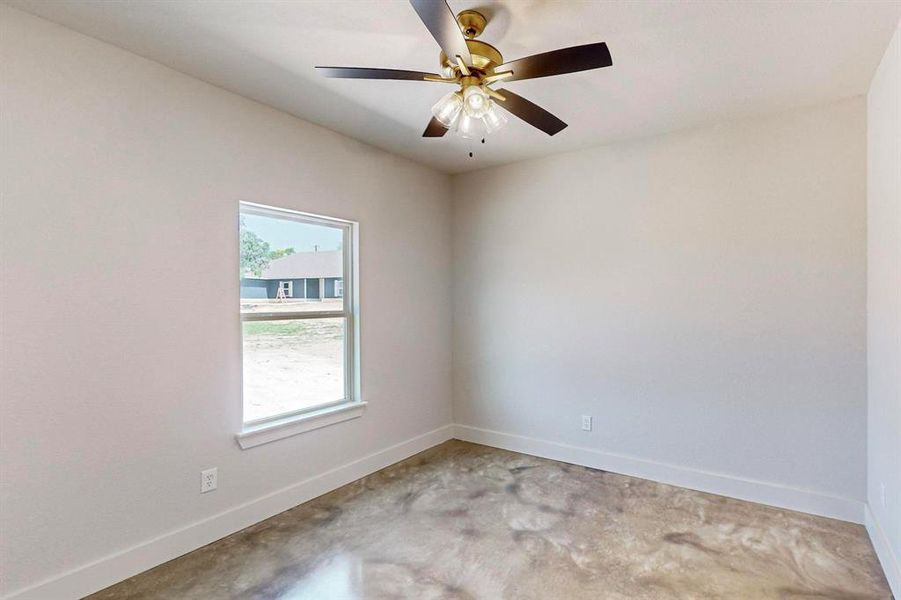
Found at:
[280, 253]
[255, 253]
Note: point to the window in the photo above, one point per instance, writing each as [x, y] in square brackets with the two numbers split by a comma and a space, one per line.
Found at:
[299, 359]
[339, 288]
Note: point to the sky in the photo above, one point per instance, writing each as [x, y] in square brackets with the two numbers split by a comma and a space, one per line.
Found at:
[281, 233]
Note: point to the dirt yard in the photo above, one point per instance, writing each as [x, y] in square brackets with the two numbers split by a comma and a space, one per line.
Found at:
[291, 365]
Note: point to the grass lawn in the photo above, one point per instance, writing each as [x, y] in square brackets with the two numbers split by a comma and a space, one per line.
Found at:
[321, 328]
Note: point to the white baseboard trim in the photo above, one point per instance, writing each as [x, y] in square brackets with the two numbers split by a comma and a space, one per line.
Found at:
[104, 572]
[772, 494]
[891, 565]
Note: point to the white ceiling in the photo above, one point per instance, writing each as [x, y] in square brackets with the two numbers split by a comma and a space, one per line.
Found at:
[675, 64]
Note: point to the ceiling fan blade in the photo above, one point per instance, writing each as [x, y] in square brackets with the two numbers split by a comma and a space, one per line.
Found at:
[439, 19]
[367, 73]
[434, 129]
[558, 62]
[530, 112]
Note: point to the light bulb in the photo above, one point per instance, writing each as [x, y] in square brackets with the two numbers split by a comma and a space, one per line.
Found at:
[475, 101]
[448, 109]
[470, 127]
[494, 118]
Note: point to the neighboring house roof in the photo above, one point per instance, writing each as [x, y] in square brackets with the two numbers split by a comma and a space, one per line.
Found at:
[303, 265]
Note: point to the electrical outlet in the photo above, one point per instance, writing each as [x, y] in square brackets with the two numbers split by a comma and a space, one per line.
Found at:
[586, 423]
[209, 480]
[882, 494]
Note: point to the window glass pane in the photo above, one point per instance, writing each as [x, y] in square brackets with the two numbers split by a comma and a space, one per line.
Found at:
[292, 365]
[288, 266]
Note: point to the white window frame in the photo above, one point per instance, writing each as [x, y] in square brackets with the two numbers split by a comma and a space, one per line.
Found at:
[339, 288]
[289, 291]
[261, 431]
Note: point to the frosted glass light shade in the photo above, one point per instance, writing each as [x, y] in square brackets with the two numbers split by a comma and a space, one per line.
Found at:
[475, 101]
[494, 118]
[448, 109]
[470, 127]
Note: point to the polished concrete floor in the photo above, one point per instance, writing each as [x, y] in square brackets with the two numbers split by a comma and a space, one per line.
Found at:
[468, 521]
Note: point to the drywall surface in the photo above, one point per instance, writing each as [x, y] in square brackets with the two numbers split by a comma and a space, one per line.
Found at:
[884, 308]
[701, 295]
[120, 335]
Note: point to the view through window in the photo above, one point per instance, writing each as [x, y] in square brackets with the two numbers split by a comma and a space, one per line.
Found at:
[295, 312]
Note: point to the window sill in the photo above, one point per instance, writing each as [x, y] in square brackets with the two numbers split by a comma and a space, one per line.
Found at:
[264, 433]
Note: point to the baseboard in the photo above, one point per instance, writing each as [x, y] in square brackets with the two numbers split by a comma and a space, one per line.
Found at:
[763, 492]
[891, 564]
[102, 573]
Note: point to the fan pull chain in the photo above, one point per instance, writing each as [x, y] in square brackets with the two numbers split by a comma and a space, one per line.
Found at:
[470, 147]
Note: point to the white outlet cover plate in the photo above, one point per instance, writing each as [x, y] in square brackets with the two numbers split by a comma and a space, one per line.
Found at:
[209, 480]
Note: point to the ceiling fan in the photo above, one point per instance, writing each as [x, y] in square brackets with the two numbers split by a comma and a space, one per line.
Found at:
[475, 66]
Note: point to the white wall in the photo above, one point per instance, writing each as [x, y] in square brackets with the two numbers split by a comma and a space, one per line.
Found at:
[884, 309]
[700, 294]
[121, 342]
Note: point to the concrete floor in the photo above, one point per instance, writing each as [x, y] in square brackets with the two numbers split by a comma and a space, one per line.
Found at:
[468, 521]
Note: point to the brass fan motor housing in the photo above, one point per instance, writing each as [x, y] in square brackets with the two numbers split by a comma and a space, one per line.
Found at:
[484, 56]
